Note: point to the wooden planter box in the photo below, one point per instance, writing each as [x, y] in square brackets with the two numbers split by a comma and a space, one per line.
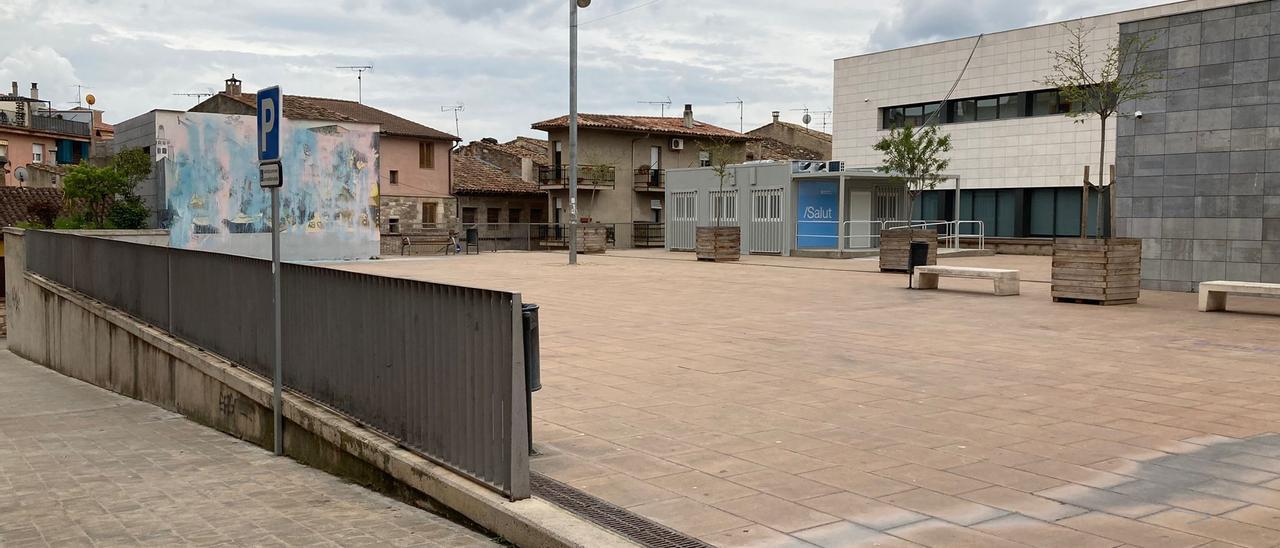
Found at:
[592, 239]
[719, 243]
[895, 247]
[1097, 271]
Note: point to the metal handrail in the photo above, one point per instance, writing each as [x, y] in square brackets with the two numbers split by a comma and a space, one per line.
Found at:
[871, 236]
[949, 233]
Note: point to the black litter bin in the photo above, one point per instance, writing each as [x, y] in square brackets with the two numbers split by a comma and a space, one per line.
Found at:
[919, 257]
[532, 357]
[473, 239]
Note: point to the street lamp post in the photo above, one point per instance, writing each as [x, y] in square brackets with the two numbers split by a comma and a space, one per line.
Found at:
[573, 127]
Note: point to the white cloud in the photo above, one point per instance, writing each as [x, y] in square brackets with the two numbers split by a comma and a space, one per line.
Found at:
[505, 59]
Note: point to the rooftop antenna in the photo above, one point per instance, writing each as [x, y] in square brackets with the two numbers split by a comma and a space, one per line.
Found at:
[457, 130]
[359, 70]
[739, 103]
[79, 88]
[825, 114]
[662, 105]
[196, 94]
[806, 118]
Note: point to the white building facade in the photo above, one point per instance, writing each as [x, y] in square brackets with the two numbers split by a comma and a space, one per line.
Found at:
[1019, 159]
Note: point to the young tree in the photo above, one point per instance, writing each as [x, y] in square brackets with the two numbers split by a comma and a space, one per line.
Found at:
[914, 157]
[721, 155]
[1098, 85]
[103, 197]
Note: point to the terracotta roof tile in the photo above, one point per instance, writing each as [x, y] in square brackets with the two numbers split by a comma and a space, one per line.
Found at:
[295, 107]
[773, 149]
[391, 124]
[14, 201]
[475, 176]
[643, 124]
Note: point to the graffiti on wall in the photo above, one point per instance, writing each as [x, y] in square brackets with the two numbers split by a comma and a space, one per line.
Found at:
[328, 201]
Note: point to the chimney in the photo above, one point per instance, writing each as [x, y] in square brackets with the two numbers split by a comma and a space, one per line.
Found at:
[15, 87]
[35, 92]
[688, 116]
[232, 85]
[775, 116]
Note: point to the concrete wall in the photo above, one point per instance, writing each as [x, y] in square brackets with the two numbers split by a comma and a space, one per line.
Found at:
[625, 151]
[401, 154]
[1200, 172]
[1041, 151]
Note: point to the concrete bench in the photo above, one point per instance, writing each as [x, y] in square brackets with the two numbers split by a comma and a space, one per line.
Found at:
[1006, 281]
[1213, 295]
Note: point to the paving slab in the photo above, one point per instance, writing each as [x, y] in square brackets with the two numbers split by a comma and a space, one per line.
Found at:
[783, 400]
[82, 466]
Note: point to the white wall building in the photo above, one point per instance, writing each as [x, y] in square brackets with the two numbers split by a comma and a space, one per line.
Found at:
[1017, 158]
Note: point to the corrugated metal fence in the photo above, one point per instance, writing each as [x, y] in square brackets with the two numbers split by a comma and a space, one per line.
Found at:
[438, 367]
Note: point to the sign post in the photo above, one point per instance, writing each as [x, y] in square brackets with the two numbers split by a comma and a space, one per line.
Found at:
[270, 116]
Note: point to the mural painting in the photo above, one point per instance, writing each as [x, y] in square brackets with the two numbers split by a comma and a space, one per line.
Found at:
[327, 203]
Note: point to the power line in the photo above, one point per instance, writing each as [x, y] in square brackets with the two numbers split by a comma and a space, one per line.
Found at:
[620, 12]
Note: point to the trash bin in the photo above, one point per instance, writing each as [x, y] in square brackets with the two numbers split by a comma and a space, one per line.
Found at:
[532, 365]
[473, 235]
[919, 255]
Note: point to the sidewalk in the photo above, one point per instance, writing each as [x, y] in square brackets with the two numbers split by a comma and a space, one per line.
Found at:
[81, 466]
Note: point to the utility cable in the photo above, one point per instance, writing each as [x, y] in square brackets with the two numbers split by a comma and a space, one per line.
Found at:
[954, 84]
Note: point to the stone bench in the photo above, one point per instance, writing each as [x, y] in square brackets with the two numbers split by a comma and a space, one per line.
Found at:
[1006, 281]
[1213, 295]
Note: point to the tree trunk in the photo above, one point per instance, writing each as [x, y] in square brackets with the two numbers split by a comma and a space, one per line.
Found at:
[1102, 174]
[1084, 206]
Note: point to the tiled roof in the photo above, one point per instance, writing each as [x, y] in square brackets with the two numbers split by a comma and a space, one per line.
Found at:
[14, 201]
[664, 125]
[391, 124]
[536, 150]
[475, 176]
[812, 132]
[295, 107]
[773, 149]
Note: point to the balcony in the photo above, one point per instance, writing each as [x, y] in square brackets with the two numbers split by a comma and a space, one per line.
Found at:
[50, 124]
[648, 179]
[590, 177]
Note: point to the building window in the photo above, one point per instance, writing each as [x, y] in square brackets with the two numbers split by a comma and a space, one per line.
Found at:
[986, 109]
[469, 215]
[975, 109]
[4, 150]
[395, 176]
[429, 210]
[513, 215]
[704, 159]
[37, 153]
[493, 215]
[1044, 103]
[393, 225]
[426, 155]
[535, 216]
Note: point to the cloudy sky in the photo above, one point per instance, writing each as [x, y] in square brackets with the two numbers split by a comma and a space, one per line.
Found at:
[504, 60]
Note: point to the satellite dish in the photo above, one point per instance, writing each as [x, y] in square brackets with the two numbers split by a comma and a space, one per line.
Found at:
[807, 118]
[21, 174]
[584, 3]
[90, 99]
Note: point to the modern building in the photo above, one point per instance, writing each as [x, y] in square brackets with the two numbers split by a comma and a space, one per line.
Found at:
[780, 140]
[36, 140]
[1199, 172]
[1018, 159]
[795, 207]
[622, 161]
[413, 172]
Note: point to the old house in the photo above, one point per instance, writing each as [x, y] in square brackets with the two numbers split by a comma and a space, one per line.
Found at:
[35, 140]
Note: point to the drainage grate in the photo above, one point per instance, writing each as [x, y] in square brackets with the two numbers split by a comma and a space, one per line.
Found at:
[613, 518]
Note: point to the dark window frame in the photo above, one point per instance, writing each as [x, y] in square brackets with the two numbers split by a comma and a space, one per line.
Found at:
[965, 109]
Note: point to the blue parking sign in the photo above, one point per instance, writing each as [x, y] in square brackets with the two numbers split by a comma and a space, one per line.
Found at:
[270, 116]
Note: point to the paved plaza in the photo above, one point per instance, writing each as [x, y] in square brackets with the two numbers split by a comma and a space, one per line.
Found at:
[788, 401]
[81, 466]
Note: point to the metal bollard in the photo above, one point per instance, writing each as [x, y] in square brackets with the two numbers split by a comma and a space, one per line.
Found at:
[532, 362]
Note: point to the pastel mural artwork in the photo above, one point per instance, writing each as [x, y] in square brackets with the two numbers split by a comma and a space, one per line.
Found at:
[327, 203]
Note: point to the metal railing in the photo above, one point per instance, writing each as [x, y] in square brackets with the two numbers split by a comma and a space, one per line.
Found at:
[852, 238]
[646, 178]
[950, 233]
[437, 367]
[589, 176]
[50, 124]
[647, 235]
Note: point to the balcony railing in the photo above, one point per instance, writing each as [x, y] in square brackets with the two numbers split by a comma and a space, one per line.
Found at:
[50, 124]
[650, 179]
[589, 177]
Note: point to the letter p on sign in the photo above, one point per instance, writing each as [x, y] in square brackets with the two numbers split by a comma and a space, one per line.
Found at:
[270, 116]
